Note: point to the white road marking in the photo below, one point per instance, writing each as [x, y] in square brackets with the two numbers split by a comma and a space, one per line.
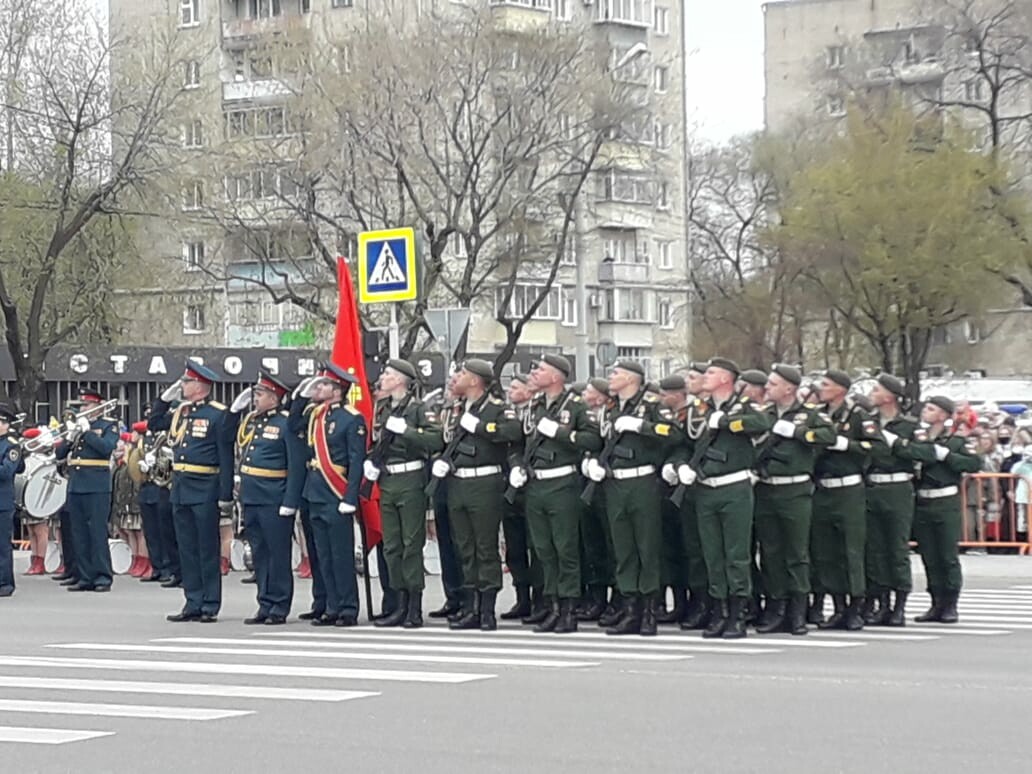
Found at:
[118, 710]
[47, 735]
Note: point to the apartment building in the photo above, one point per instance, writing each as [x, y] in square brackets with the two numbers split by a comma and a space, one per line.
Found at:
[623, 280]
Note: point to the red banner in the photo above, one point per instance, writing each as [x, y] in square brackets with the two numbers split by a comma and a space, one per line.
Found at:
[348, 354]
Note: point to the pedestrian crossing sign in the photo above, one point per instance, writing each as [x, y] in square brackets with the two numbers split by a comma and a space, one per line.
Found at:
[387, 266]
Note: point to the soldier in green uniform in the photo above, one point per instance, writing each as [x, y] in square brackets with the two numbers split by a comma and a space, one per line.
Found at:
[752, 384]
[673, 574]
[401, 469]
[839, 503]
[563, 430]
[784, 500]
[722, 467]
[481, 426]
[636, 431]
[945, 457]
[890, 507]
[597, 560]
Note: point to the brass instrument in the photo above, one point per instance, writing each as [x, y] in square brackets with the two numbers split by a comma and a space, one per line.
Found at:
[161, 471]
[45, 441]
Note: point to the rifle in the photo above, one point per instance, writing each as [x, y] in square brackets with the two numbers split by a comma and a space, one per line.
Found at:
[383, 444]
[460, 435]
[677, 496]
[530, 449]
[606, 455]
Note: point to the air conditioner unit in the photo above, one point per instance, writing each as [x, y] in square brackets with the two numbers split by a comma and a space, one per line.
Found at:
[595, 300]
[977, 374]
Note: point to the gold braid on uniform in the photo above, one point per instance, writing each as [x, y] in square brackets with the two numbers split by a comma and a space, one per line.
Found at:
[177, 427]
[245, 433]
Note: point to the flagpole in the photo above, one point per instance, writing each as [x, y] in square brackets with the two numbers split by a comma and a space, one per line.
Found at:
[366, 571]
[393, 334]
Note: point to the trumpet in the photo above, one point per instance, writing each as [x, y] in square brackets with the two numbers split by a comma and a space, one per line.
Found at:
[49, 438]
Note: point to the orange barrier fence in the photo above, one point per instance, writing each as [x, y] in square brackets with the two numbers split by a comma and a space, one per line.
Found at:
[995, 511]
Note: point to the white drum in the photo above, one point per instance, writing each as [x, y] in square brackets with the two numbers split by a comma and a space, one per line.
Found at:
[431, 557]
[121, 556]
[53, 558]
[45, 490]
[238, 555]
[295, 555]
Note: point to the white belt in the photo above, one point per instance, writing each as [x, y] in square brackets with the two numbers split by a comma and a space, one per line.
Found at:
[565, 470]
[406, 467]
[935, 494]
[483, 470]
[644, 470]
[839, 483]
[730, 478]
[785, 480]
[888, 478]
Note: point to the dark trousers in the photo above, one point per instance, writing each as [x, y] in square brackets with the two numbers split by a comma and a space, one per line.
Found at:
[89, 517]
[451, 569]
[475, 508]
[169, 541]
[596, 542]
[403, 515]
[389, 598]
[151, 516]
[6, 552]
[783, 515]
[937, 530]
[725, 528]
[335, 541]
[890, 518]
[837, 540]
[553, 516]
[197, 527]
[68, 554]
[318, 586]
[524, 566]
[271, 538]
[698, 575]
[633, 507]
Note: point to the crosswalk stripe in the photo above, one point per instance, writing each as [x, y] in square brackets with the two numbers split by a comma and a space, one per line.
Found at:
[344, 642]
[867, 634]
[234, 668]
[973, 624]
[47, 735]
[987, 617]
[421, 658]
[118, 710]
[182, 689]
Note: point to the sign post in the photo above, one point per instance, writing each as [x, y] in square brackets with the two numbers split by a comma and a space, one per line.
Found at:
[388, 273]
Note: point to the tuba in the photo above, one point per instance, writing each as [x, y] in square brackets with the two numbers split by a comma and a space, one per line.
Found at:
[161, 472]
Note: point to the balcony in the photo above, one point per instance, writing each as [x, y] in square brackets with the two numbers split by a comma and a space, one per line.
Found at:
[521, 15]
[268, 88]
[927, 71]
[628, 13]
[241, 29]
[616, 214]
[624, 273]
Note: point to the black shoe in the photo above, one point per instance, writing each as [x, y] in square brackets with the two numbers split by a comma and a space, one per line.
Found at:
[468, 620]
[752, 611]
[102, 589]
[537, 614]
[815, 613]
[450, 607]
[522, 606]
[208, 618]
[567, 623]
[81, 587]
[735, 629]
[468, 601]
[324, 620]
[795, 620]
[62, 577]
[311, 615]
[346, 621]
[414, 614]
[649, 619]
[948, 615]
[175, 582]
[183, 617]
[252, 578]
[275, 620]
[718, 620]
[551, 619]
[593, 606]
[396, 618]
[258, 618]
[879, 615]
[630, 620]
[898, 617]
[932, 614]
[69, 582]
[674, 614]
[152, 579]
[773, 617]
[697, 612]
[854, 621]
[868, 611]
[838, 618]
[487, 610]
[6, 591]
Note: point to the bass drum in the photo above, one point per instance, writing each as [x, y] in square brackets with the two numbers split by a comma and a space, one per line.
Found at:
[239, 555]
[121, 556]
[45, 489]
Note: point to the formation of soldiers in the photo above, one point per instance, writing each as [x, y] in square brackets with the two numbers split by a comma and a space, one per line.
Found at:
[713, 500]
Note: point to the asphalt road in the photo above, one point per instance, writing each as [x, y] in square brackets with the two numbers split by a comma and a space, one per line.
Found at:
[101, 684]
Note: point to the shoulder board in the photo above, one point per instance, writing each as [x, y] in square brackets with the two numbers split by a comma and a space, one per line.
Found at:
[216, 404]
[576, 399]
[351, 409]
[810, 406]
[650, 398]
[496, 401]
[283, 413]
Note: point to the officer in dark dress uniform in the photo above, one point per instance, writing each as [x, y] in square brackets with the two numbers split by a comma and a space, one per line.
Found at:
[202, 485]
[272, 472]
[11, 463]
[88, 453]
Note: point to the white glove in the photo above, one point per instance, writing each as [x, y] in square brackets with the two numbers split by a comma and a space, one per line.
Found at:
[669, 473]
[346, 509]
[890, 438]
[82, 424]
[45, 439]
[370, 471]
[518, 478]
[627, 425]
[686, 475]
[396, 425]
[595, 470]
[469, 422]
[150, 458]
[784, 428]
[941, 452]
[144, 467]
[440, 469]
[286, 512]
[547, 427]
[174, 392]
[307, 388]
[242, 401]
[301, 388]
[584, 466]
[841, 444]
[713, 423]
[225, 508]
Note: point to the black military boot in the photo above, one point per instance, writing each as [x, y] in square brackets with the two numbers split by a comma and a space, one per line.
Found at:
[468, 616]
[676, 613]
[649, 618]
[933, 613]
[949, 607]
[884, 613]
[718, 620]
[753, 609]
[773, 617]
[854, 621]
[465, 604]
[614, 612]
[567, 622]
[551, 618]
[696, 612]
[594, 604]
[414, 614]
[795, 619]
[522, 606]
[487, 610]
[838, 618]
[539, 609]
[630, 621]
[449, 608]
[398, 616]
[815, 612]
[735, 629]
[868, 612]
[898, 616]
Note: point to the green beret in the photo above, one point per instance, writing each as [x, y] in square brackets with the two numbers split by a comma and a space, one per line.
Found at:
[559, 363]
[944, 403]
[578, 387]
[631, 365]
[864, 402]
[788, 373]
[893, 384]
[599, 384]
[518, 376]
[840, 378]
[479, 368]
[754, 377]
[699, 366]
[403, 367]
[672, 383]
[727, 365]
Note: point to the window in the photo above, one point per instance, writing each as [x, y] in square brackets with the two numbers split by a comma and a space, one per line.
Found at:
[569, 308]
[642, 354]
[836, 105]
[189, 13]
[972, 333]
[193, 319]
[264, 9]
[523, 297]
[344, 58]
[664, 254]
[620, 186]
[636, 12]
[193, 255]
[193, 195]
[836, 57]
[267, 182]
[623, 248]
[661, 20]
[973, 91]
[191, 74]
[193, 134]
[662, 79]
[663, 198]
[663, 135]
[629, 305]
[342, 3]
[665, 313]
[562, 10]
[259, 122]
[569, 256]
[458, 244]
